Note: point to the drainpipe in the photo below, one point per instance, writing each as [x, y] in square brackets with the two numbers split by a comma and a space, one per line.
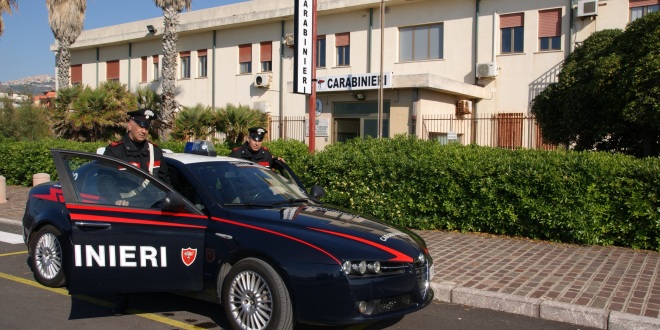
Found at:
[569, 37]
[473, 134]
[130, 50]
[213, 72]
[371, 28]
[281, 101]
[97, 67]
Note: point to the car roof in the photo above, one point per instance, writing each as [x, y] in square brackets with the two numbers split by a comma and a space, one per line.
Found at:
[187, 158]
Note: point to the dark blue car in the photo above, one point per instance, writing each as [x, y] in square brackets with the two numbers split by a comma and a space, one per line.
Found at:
[249, 237]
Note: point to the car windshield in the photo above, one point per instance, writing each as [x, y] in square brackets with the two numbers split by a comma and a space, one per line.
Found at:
[242, 183]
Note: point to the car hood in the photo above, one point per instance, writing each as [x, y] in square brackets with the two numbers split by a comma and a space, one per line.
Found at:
[342, 231]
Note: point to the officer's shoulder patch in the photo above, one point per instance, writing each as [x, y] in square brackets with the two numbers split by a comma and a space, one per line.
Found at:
[235, 149]
[116, 143]
[265, 148]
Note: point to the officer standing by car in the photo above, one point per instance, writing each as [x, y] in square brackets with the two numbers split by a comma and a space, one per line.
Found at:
[134, 148]
[252, 149]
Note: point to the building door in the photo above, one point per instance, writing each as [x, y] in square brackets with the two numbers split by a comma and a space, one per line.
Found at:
[359, 119]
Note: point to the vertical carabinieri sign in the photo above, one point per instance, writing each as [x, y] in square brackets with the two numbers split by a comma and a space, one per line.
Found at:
[303, 38]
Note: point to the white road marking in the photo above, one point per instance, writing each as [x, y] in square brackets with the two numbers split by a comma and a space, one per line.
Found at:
[10, 238]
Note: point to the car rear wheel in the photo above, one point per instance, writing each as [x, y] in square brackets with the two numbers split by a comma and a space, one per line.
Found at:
[47, 257]
[255, 297]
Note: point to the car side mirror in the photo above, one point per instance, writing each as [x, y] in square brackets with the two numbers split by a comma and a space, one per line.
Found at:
[317, 192]
[173, 202]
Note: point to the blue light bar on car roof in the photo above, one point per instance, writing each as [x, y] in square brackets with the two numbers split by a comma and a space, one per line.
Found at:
[200, 147]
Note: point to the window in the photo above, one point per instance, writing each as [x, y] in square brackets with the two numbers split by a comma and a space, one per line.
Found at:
[245, 58]
[143, 68]
[185, 65]
[202, 63]
[76, 74]
[550, 29]
[422, 42]
[266, 56]
[512, 31]
[112, 70]
[320, 51]
[155, 67]
[343, 43]
[639, 8]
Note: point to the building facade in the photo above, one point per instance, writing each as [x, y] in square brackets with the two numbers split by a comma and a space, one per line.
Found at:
[453, 69]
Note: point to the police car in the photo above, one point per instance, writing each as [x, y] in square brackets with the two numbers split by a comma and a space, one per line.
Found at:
[250, 238]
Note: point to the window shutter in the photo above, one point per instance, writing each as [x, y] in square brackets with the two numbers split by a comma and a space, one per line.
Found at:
[76, 74]
[342, 39]
[112, 68]
[266, 51]
[202, 52]
[184, 54]
[245, 53]
[144, 68]
[640, 3]
[550, 23]
[511, 20]
[155, 58]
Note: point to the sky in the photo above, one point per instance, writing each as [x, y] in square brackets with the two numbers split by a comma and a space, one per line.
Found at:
[25, 43]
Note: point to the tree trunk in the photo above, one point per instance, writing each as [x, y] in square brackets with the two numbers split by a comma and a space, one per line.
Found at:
[170, 43]
[63, 59]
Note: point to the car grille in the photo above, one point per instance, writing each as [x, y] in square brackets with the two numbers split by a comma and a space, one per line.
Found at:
[393, 304]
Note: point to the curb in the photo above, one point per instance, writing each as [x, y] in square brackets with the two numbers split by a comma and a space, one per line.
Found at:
[449, 292]
[10, 221]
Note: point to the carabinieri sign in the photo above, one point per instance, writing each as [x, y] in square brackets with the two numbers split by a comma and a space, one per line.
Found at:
[353, 82]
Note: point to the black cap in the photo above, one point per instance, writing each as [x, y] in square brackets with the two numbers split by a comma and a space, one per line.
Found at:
[142, 117]
[257, 133]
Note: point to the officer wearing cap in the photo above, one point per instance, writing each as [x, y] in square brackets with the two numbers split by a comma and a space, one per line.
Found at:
[134, 147]
[252, 149]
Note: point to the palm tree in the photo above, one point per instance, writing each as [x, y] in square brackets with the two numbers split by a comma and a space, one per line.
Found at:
[193, 123]
[5, 6]
[171, 10]
[234, 121]
[66, 19]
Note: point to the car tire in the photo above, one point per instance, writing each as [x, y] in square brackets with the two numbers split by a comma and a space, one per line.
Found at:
[48, 257]
[255, 297]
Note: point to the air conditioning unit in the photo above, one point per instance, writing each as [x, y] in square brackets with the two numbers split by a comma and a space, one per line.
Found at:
[487, 70]
[464, 107]
[289, 40]
[587, 8]
[262, 80]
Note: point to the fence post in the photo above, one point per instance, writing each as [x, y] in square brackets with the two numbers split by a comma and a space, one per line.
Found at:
[3, 190]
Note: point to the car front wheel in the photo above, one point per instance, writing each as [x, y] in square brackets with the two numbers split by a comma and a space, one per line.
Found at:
[47, 257]
[255, 297]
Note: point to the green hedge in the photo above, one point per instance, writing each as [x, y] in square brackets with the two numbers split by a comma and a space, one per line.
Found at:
[576, 197]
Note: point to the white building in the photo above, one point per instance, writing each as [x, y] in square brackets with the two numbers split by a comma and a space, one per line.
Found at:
[456, 69]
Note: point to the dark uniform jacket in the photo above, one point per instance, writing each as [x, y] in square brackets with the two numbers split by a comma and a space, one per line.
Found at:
[261, 156]
[127, 150]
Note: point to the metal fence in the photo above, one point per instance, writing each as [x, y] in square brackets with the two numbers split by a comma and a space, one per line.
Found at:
[502, 130]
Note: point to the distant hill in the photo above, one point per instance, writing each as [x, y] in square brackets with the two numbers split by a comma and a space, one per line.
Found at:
[29, 85]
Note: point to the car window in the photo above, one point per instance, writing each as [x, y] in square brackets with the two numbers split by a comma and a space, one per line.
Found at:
[182, 185]
[101, 182]
[240, 182]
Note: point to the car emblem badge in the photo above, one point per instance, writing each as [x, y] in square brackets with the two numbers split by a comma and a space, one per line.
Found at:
[188, 256]
[210, 255]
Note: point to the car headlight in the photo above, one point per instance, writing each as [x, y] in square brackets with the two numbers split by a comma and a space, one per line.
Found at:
[361, 267]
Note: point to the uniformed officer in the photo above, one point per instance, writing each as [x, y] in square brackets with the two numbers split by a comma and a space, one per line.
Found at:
[135, 149]
[252, 150]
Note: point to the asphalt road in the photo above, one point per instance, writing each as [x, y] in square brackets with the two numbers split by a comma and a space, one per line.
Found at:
[25, 304]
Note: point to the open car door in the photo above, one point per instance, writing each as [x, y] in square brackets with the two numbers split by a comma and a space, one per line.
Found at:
[130, 232]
